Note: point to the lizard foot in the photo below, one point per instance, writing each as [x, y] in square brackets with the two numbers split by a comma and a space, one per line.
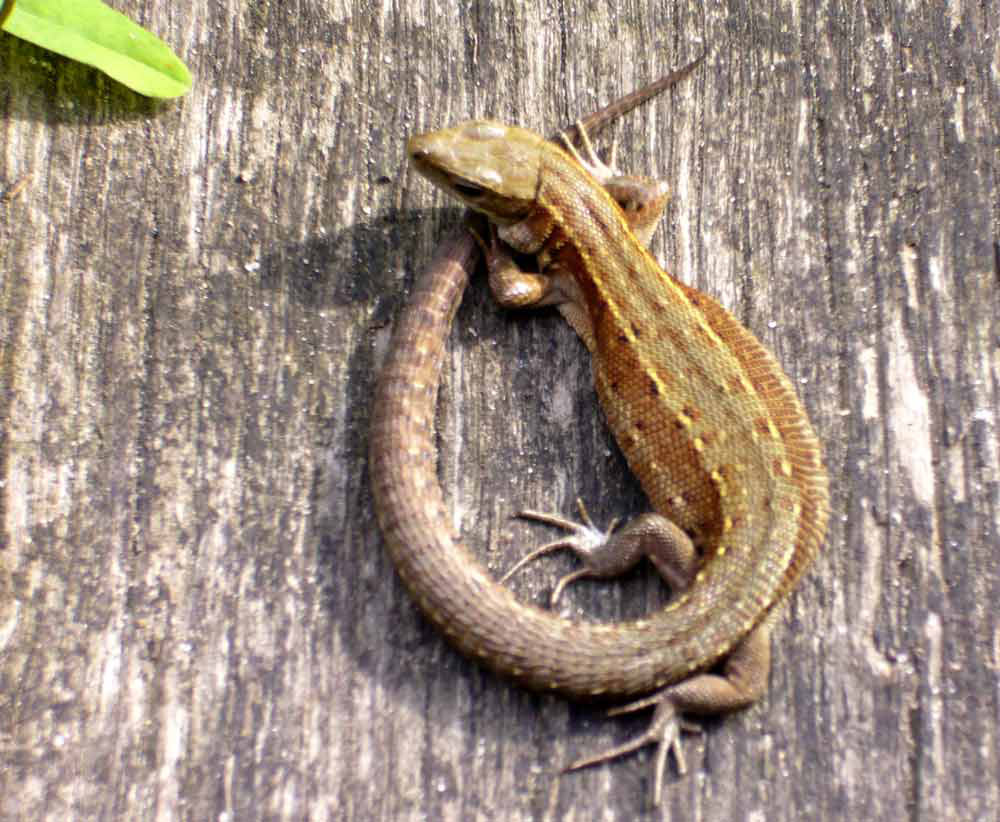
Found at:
[584, 539]
[587, 156]
[664, 732]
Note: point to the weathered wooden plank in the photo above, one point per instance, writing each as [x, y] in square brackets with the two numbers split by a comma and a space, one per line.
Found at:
[196, 616]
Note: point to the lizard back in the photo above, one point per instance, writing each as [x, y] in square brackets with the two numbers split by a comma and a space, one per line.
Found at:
[707, 419]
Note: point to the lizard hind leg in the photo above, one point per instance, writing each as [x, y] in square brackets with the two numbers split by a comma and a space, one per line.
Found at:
[607, 554]
[740, 682]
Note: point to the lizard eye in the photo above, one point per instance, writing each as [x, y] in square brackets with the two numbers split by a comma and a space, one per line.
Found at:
[469, 190]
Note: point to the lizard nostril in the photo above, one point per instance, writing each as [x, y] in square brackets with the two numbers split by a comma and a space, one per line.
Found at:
[417, 147]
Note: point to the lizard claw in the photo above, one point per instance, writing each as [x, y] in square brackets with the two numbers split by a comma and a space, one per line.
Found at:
[664, 732]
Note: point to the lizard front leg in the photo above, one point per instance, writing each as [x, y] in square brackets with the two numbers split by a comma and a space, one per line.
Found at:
[642, 201]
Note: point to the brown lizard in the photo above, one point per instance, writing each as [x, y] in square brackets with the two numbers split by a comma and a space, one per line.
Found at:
[708, 421]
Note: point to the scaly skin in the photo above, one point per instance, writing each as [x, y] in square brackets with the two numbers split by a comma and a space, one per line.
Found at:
[706, 418]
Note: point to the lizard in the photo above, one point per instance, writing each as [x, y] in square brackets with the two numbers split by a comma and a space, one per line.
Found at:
[705, 416]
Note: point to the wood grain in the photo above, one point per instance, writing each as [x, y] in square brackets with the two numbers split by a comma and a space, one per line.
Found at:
[197, 619]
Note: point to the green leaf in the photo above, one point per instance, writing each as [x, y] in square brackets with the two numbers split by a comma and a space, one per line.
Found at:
[93, 33]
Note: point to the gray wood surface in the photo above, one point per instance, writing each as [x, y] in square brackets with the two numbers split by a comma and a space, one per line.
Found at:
[197, 619]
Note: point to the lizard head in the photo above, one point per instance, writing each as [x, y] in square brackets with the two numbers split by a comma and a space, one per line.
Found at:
[490, 167]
